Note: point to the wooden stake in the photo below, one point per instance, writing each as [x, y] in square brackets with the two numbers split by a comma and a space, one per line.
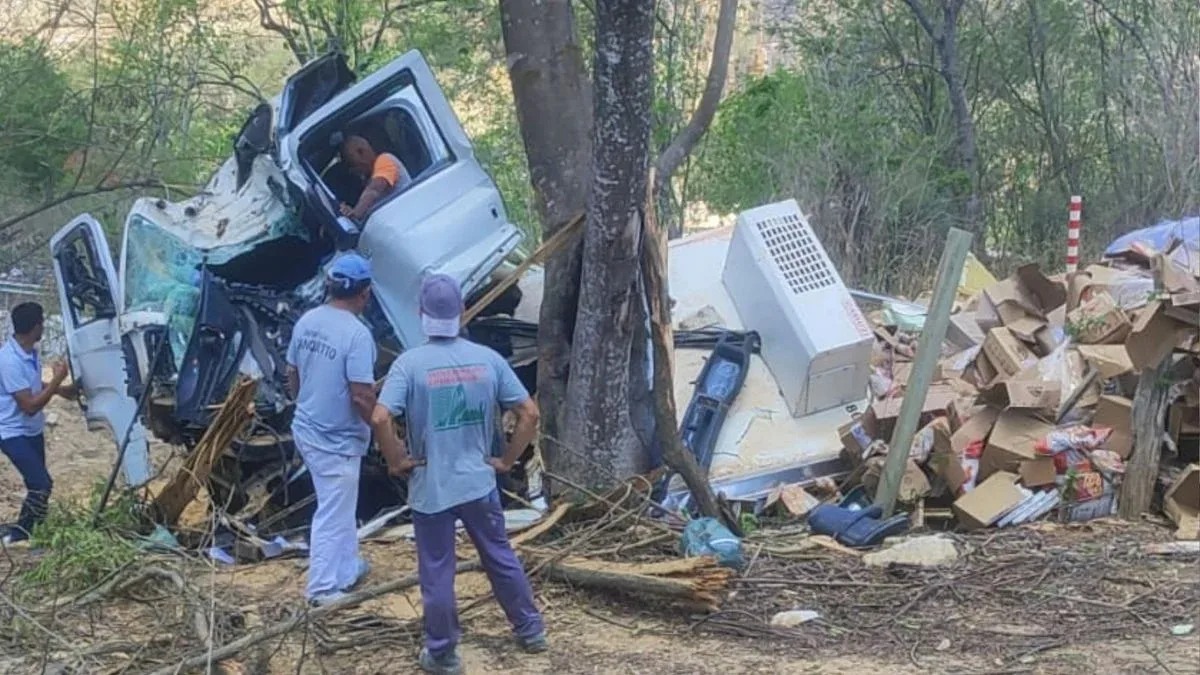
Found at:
[929, 349]
[1149, 412]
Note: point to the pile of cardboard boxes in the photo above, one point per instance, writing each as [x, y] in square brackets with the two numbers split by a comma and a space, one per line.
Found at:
[1030, 413]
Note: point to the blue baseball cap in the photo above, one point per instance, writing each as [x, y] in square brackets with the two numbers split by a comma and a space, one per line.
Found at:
[350, 270]
[441, 306]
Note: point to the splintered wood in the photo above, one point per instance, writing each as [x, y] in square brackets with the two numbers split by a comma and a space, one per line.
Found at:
[697, 583]
[231, 419]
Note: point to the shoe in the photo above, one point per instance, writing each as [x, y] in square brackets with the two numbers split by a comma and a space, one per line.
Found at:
[327, 598]
[534, 645]
[446, 664]
[360, 575]
[15, 535]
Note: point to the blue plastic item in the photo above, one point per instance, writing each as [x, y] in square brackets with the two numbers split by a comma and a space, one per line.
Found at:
[1159, 236]
[708, 537]
[850, 524]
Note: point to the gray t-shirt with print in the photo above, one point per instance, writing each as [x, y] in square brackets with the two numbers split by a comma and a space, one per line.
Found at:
[448, 391]
[331, 348]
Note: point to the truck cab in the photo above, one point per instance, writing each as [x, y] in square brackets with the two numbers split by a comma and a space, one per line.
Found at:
[207, 289]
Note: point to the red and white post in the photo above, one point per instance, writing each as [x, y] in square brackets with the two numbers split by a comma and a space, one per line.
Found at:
[1074, 223]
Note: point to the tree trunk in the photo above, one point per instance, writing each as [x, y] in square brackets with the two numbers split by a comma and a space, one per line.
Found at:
[554, 109]
[598, 416]
[945, 42]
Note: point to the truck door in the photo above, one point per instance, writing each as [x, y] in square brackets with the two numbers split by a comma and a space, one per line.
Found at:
[91, 304]
[448, 217]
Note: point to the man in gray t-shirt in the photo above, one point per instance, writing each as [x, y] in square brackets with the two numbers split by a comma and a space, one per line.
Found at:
[448, 391]
[331, 374]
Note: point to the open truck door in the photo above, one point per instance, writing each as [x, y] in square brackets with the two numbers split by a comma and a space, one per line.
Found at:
[448, 218]
[90, 304]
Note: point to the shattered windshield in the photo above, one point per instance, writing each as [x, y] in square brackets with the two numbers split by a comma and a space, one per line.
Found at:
[161, 275]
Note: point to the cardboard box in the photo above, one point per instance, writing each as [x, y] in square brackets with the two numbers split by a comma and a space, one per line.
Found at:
[1038, 472]
[1012, 442]
[1153, 336]
[1026, 394]
[1183, 419]
[1116, 412]
[855, 442]
[1111, 360]
[975, 428]
[1048, 294]
[990, 500]
[1099, 321]
[964, 331]
[1182, 503]
[880, 419]
[1006, 352]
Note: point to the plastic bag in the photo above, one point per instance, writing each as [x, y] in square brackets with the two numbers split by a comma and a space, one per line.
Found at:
[1079, 438]
[708, 537]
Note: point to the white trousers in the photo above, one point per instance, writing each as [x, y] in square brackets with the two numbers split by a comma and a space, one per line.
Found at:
[333, 541]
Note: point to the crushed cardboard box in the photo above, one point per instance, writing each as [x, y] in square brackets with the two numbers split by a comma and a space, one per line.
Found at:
[1116, 412]
[1099, 321]
[1006, 353]
[990, 500]
[1182, 503]
[1111, 360]
[1011, 442]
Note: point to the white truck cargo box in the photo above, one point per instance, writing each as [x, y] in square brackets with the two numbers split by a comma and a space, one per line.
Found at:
[815, 340]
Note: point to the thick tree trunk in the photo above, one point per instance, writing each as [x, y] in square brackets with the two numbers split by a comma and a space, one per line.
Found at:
[554, 108]
[598, 416]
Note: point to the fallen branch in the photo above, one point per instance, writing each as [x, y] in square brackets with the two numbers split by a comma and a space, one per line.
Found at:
[231, 419]
[696, 582]
[251, 639]
[542, 526]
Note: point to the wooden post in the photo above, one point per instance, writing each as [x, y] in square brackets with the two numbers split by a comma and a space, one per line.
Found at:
[929, 349]
[1149, 411]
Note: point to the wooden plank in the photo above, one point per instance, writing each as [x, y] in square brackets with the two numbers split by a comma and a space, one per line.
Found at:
[1149, 414]
[548, 248]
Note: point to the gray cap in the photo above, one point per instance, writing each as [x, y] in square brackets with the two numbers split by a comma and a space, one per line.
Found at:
[441, 306]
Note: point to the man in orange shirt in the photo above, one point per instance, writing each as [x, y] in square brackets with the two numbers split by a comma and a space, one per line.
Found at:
[385, 171]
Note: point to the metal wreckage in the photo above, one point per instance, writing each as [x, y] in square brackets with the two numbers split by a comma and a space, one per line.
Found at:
[206, 291]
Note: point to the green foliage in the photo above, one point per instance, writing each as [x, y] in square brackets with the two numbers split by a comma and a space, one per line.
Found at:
[77, 552]
[40, 120]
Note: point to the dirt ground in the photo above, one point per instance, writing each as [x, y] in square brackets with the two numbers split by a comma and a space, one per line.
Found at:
[589, 632]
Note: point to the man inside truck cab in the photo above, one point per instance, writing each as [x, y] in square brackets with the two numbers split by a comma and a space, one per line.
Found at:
[384, 172]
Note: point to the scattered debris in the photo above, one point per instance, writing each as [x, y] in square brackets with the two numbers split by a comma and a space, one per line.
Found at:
[928, 551]
[793, 618]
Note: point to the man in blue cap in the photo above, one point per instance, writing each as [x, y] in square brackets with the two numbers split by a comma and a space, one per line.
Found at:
[331, 375]
[448, 390]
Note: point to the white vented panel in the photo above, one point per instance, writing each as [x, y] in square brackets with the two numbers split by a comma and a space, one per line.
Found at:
[815, 340]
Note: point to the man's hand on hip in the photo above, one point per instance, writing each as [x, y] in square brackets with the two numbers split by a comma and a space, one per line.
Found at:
[499, 464]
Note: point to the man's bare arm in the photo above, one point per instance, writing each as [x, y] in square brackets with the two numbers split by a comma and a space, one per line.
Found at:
[374, 191]
[528, 415]
[293, 382]
[362, 397]
[391, 446]
[32, 405]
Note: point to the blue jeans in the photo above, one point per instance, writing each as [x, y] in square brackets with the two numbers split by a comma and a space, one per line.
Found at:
[28, 454]
[483, 520]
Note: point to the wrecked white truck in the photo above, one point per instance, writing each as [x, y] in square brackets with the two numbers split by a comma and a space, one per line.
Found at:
[208, 289]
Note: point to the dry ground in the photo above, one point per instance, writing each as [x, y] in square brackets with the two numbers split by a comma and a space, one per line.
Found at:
[590, 632]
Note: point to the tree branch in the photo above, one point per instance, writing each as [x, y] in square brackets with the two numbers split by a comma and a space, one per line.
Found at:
[923, 19]
[75, 194]
[718, 70]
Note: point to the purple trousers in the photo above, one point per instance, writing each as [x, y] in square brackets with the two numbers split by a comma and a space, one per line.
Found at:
[483, 520]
